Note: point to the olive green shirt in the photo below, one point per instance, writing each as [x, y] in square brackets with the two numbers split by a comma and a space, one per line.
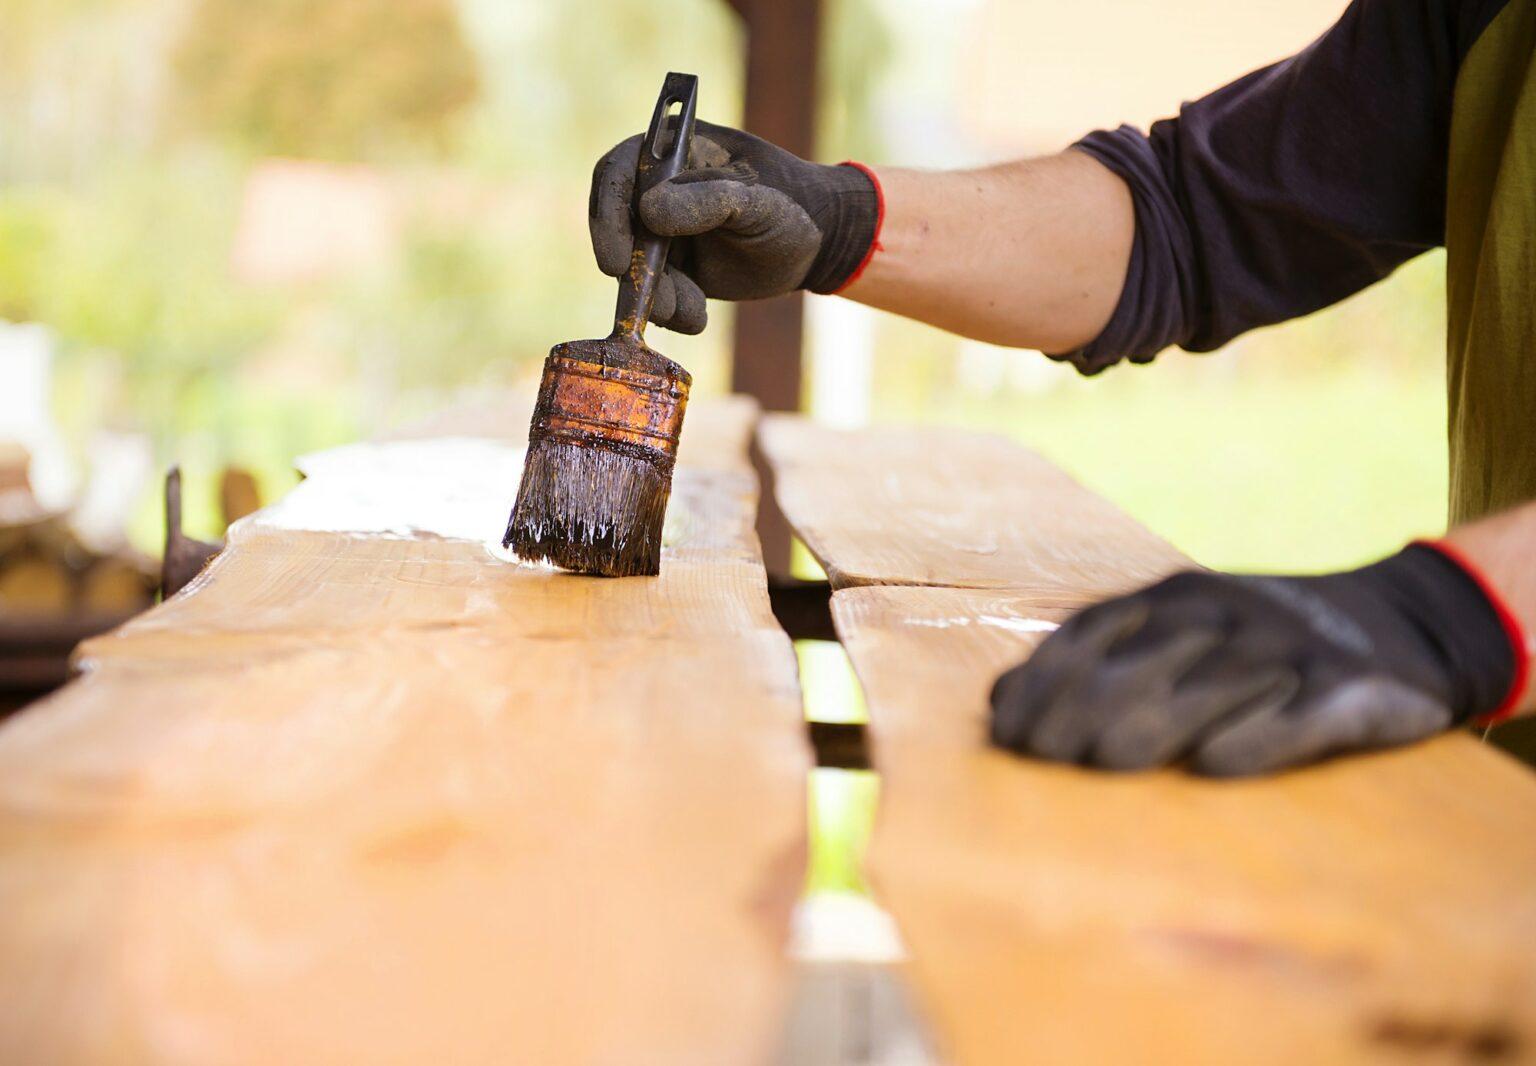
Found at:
[1490, 237]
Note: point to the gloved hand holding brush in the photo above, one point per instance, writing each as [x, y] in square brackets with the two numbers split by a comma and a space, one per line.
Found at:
[1243, 675]
[748, 220]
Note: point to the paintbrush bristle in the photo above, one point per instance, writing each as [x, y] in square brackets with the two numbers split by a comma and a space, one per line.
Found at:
[591, 509]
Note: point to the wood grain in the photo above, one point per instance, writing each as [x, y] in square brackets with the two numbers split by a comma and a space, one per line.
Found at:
[1371, 909]
[365, 792]
[941, 507]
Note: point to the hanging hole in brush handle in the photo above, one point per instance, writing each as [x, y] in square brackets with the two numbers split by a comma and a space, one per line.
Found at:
[663, 154]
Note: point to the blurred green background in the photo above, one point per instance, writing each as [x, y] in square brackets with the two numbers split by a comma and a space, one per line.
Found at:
[260, 227]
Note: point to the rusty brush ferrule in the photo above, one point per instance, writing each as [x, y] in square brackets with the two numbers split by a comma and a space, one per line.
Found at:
[637, 410]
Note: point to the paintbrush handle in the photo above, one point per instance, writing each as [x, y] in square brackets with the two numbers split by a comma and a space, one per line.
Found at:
[663, 154]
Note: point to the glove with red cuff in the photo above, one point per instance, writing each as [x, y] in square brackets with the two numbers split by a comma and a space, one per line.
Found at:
[748, 220]
[1238, 674]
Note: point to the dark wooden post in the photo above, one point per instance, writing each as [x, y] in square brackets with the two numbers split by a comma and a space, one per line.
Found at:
[783, 38]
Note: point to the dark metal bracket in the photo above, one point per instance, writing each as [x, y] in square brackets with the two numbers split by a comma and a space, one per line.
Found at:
[184, 557]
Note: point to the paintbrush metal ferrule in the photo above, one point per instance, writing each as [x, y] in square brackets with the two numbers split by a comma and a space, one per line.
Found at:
[634, 409]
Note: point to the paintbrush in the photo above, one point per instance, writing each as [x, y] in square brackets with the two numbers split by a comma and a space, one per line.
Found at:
[604, 436]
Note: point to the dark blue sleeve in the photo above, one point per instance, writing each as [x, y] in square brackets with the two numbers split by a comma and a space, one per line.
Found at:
[1292, 187]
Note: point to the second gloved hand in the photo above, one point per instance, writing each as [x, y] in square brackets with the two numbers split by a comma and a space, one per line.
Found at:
[1244, 675]
[748, 221]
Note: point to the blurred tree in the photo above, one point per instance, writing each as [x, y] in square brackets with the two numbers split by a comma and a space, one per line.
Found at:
[342, 80]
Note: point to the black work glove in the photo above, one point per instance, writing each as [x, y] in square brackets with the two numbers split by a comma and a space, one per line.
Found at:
[754, 221]
[1244, 675]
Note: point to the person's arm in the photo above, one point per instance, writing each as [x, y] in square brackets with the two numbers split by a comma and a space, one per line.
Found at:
[1240, 674]
[1030, 254]
[1276, 195]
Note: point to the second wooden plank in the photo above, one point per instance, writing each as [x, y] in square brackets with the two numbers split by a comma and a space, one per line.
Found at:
[1353, 911]
[919, 506]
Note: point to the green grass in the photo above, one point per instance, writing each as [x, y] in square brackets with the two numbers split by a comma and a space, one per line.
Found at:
[832, 692]
[842, 817]
[1313, 445]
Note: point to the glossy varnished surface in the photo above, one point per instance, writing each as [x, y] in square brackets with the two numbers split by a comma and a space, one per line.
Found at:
[1374, 909]
[367, 792]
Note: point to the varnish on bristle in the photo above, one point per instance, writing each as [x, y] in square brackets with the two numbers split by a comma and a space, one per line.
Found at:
[601, 449]
[590, 509]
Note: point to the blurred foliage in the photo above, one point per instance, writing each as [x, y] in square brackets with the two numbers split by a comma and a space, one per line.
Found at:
[856, 49]
[445, 296]
[434, 319]
[132, 267]
[339, 80]
[595, 79]
[27, 227]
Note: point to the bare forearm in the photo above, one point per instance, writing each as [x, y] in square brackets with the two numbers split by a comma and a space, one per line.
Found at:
[1030, 254]
[1504, 549]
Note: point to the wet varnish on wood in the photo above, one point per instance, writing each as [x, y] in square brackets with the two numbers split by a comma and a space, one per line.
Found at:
[364, 793]
[1373, 909]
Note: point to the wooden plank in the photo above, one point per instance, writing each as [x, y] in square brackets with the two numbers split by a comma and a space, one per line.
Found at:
[1344, 912]
[365, 792]
[1377, 908]
[939, 507]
